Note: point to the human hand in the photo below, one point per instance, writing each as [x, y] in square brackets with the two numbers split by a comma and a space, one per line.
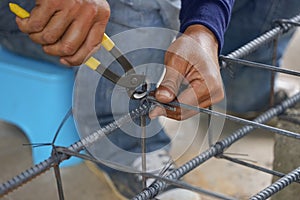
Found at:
[193, 60]
[70, 29]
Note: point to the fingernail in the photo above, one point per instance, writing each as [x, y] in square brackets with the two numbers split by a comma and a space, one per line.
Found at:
[164, 93]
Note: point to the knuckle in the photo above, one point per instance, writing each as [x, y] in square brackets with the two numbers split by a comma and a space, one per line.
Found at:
[218, 96]
[49, 38]
[54, 3]
[67, 48]
[106, 13]
[36, 26]
[103, 11]
[92, 12]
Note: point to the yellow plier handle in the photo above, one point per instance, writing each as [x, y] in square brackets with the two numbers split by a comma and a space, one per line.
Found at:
[130, 81]
[107, 43]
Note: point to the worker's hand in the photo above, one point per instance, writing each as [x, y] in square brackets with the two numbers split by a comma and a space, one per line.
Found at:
[192, 60]
[70, 29]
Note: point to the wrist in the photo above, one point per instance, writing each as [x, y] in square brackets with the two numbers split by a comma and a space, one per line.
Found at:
[204, 36]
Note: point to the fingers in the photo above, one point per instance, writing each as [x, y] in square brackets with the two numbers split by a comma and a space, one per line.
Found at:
[91, 44]
[69, 29]
[204, 88]
[39, 17]
[192, 59]
[169, 87]
[72, 39]
[195, 95]
[54, 29]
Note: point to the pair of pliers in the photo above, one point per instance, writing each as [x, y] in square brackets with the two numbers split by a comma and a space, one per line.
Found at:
[134, 83]
[131, 81]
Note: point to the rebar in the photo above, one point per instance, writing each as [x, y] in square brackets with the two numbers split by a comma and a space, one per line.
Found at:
[216, 149]
[246, 164]
[263, 39]
[259, 65]
[278, 185]
[239, 120]
[45, 165]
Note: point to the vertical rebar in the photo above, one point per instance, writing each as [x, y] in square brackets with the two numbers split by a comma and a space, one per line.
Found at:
[143, 145]
[210, 136]
[274, 63]
[58, 182]
[45, 165]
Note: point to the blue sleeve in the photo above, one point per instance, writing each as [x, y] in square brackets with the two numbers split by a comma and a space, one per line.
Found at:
[214, 14]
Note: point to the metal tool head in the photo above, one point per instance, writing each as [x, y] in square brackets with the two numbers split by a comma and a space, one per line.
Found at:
[134, 84]
[141, 91]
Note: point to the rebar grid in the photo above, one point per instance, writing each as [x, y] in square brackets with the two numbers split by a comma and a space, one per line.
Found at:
[220, 146]
[54, 159]
[215, 150]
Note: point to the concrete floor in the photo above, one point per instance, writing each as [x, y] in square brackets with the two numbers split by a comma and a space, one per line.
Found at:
[216, 175]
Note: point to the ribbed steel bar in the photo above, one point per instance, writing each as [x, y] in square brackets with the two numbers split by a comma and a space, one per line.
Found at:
[278, 185]
[246, 164]
[45, 165]
[286, 21]
[215, 150]
[160, 176]
[144, 149]
[239, 120]
[177, 173]
[59, 182]
[187, 186]
[263, 39]
[259, 65]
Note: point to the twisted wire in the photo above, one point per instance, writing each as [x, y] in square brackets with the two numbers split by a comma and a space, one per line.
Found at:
[215, 150]
[278, 185]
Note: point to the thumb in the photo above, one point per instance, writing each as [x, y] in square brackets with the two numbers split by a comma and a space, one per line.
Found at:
[169, 87]
[164, 94]
[167, 91]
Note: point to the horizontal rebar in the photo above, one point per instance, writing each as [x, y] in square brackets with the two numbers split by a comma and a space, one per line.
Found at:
[215, 150]
[229, 117]
[259, 65]
[263, 39]
[278, 185]
[45, 165]
[246, 164]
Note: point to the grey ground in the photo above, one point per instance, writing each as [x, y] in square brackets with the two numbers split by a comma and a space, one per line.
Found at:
[216, 175]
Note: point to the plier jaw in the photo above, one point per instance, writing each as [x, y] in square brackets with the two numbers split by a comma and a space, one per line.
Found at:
[131, 81]
[135, 85]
